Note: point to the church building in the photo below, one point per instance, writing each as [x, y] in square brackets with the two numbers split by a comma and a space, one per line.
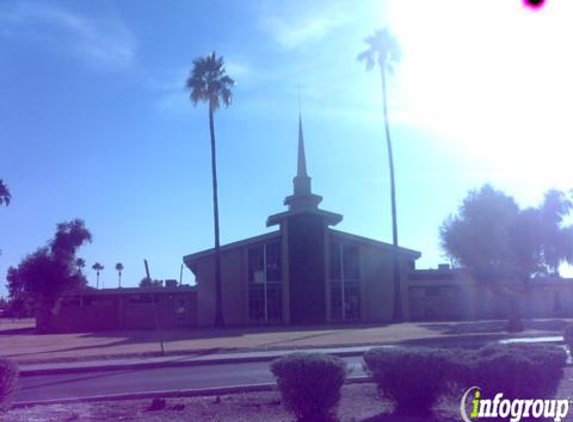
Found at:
[304, 272]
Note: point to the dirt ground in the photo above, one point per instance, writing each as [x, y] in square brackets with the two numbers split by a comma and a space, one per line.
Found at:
[19, 342]
[359, 403]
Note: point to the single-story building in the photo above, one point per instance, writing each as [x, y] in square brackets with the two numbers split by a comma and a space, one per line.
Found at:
[452, 295]
[126, 309]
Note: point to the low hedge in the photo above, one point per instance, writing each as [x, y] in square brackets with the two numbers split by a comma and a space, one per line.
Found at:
[518, 370]
[310, 384]
[8, 383]
[413, 377]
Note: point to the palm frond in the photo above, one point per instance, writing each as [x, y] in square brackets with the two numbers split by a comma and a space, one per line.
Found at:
[383, 49]
[227, 81]
[227, 96]
[5, 195]
[368, 57]
[209, 83]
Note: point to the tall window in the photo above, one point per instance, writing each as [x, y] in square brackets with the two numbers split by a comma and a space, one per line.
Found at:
[344, 282]
[265, 287]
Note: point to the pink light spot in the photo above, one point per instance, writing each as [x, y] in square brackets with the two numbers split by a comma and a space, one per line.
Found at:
[534, 4]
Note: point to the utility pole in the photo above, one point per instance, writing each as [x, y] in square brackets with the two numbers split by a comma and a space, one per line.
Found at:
[153, 304]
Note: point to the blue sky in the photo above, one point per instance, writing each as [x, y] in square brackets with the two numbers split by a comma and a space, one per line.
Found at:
[96, 123]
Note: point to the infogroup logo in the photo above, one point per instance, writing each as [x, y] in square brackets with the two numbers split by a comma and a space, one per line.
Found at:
[511, 409]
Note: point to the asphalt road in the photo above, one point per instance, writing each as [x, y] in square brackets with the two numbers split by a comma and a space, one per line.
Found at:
[49, 387]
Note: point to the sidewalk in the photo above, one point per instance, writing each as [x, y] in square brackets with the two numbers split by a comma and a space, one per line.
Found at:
[28, 348]
[175, 360]
[52, 368]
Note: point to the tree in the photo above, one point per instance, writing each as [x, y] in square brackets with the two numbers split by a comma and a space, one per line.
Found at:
[97, 267]
[4, 305]
[540, 238]
[43, 277]
[20, 303]
[80, 263]
[4, 193]
[477, 237]
[500, 243]
[148, 282]
[383, 50]
[209, 83]
[556, 239]
[119, 269]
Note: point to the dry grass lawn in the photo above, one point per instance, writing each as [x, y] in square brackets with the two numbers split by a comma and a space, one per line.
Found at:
[22, 344]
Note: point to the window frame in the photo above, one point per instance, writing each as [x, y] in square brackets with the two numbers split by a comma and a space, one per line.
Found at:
[275, 286]
[341, 280]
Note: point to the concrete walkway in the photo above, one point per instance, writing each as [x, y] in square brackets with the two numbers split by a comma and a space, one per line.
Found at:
[26, 347]
[50, 368]
[175, 360]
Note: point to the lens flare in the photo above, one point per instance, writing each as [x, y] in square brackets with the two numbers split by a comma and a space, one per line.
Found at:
[534, 4]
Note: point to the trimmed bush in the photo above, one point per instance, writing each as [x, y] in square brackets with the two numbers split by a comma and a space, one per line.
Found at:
[310, 384]
[518, 370]
[413, 377]
[8, 383]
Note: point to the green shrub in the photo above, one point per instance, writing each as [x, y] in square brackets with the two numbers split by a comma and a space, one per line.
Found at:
[310, 384]
[8, 383]
[413, 377]
[518, 370]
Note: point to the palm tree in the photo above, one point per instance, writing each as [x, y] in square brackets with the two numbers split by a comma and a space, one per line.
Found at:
[4, 193]
[97, 267]
[209, 83]
[119, 269]
[384, 51]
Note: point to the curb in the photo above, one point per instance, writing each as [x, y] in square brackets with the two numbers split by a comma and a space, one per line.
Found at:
[184, 361]
[198, 392]
[175, 363]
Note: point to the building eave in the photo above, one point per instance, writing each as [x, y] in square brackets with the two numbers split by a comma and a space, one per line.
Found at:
[331, 218]
[366, 240]
[191, 259]
[131, 291]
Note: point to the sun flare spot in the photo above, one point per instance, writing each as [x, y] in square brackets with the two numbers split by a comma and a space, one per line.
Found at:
[492, 82]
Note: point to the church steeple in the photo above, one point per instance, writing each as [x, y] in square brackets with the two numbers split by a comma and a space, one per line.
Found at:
[301, 181]
[302, 200]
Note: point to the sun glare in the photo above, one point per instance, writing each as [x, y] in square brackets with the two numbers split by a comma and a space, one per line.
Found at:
[493, 81]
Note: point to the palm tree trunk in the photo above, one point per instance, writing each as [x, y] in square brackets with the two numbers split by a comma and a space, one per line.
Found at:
[219, 322]
[397, 313]
[119, 283]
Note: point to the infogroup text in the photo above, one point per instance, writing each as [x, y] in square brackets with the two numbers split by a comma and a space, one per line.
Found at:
[473, 405]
